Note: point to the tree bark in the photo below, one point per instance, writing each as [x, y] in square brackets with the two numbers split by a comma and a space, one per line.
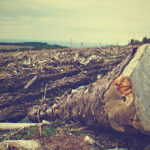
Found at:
[112, 101]
[61, 70]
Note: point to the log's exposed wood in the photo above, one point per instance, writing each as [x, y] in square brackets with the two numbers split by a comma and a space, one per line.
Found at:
[12, 126]
[120, 99]
[127, 101]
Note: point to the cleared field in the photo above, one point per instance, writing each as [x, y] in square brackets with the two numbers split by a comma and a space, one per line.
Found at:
[7, 47]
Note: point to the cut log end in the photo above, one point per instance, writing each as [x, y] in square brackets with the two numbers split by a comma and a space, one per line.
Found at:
[119, 104]
[127, 100]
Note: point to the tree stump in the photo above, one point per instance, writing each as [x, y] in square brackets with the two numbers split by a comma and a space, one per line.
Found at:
[119, 100]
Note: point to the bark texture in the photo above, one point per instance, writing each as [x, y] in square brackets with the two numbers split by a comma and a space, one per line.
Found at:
[86, 104]
[25, 76]
[119, 99]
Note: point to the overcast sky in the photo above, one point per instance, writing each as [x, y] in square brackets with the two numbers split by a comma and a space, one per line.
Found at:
[98, 21]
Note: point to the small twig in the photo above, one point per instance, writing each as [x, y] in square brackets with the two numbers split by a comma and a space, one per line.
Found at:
[7, 145]
[10, 134]
[42, 100]
[30, 82]
[38, 114]
[17, 131]
[45, 92]
[78, 129]
[79, 68]
[40, 130]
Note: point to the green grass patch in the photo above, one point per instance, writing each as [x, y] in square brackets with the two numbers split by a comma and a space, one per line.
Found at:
[49, 131]
[33, 131]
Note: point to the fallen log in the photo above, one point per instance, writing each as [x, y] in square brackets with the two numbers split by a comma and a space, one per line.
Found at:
[71, 70]
[119, 100]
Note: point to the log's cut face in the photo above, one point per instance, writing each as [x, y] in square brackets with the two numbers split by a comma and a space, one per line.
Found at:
[119, 104]
[127, 101]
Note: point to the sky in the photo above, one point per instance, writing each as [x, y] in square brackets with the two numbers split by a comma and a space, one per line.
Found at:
[94, 21]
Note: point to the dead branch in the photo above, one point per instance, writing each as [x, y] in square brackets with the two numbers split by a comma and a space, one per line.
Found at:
[30, 82]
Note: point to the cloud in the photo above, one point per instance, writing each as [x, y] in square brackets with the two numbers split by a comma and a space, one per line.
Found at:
[86, 20]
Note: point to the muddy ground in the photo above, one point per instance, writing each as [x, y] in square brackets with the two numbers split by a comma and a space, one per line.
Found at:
[26, 77]
[61, 135]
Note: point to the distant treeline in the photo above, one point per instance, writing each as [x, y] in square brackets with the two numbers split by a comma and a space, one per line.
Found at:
[18, 50]
[36, 45]
[136, 42]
